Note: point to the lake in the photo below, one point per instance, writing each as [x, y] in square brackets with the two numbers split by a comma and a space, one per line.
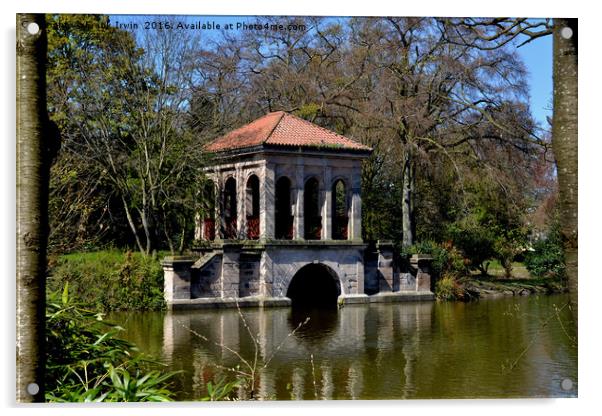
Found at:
[505, 347]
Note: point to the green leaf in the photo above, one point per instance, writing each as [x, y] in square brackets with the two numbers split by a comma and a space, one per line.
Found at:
[65, 296]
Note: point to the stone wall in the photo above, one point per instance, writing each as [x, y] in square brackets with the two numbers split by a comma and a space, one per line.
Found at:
[371, 273]
[249, 275]
[206, 277]
[265, 271]
[281, 264]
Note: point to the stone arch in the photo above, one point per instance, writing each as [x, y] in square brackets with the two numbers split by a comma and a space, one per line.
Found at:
[283, 217]
[252, 206]
[284, 274]
[312, 209]
[207, 209]
[314, 284]
[230, 208]
[340, 209]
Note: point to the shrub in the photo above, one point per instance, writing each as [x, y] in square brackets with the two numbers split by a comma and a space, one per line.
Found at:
[110, 280]
[446, 257]
[547, 257]
[448, 266]
[86, 363]
[476, 242]
[448, 288]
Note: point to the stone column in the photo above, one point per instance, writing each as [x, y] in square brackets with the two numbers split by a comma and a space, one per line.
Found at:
[199, 227]
[267, 186]
[385, 267]
[266, 277]
[355, 219]
[230, 271]
[217, 197]
[360, 274]
[219, 205]
[241, 214]
[327, 207]
[299, 224]
[176, 276]
[422, 263]
[199, 222]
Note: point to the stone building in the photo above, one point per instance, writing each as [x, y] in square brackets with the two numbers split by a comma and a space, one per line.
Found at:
[282, 221]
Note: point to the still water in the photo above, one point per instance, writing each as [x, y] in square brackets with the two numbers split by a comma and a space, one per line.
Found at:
[502, 347]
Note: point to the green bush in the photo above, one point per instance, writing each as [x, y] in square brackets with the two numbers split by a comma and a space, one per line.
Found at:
[547, 258]
[86, 363]
[446, 258]
[476, 241]
[447, 288]
[448, 266]
[110, 280]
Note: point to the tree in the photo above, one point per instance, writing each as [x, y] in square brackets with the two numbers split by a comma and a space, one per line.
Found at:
[434, 99]
[36, 142]
[123, 110]
[86, 209]
[565, 143]
[491, 34]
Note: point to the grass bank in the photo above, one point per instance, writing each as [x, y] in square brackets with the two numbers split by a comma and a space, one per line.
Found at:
[483, 286]
[109, 280]
[474, 285]
[496, 270]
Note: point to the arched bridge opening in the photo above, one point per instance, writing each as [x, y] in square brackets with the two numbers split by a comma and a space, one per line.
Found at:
[314, 286]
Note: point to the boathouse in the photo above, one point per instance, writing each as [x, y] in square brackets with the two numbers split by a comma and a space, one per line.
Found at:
[282, 224]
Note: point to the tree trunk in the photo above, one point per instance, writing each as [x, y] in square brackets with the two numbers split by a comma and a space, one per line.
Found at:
[407, 202]
[182, 238]
[33, 171]
[167, 236]
[146, 228]
[564, 142]
[128, 215]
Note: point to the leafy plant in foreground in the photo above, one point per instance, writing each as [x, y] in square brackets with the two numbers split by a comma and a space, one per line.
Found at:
[86, 363]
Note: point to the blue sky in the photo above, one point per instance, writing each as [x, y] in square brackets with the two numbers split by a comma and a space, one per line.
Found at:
[537, 56]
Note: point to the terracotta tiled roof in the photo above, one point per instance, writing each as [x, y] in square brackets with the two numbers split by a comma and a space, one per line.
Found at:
[283, 129]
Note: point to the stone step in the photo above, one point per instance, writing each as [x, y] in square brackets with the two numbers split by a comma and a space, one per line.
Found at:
[204, 260]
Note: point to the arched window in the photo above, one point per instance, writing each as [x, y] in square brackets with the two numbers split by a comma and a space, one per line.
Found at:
[340, 219]
[284, 219]
[252, 207]
[229, 212]
[311, 210]
[207, 210]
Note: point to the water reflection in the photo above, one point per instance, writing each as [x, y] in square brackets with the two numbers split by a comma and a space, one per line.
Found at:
[411, 350]
[320, 327]
[333, 336]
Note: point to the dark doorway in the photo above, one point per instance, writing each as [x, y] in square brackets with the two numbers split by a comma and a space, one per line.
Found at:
[339, 211]
[252, 207]
[207, 208]
[284, 219]
[311, 210]
[314, 285]
[230, 209]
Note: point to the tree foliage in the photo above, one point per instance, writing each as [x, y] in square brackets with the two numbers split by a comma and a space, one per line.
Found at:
[547, 257]
[455, 147]
[128, 156]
